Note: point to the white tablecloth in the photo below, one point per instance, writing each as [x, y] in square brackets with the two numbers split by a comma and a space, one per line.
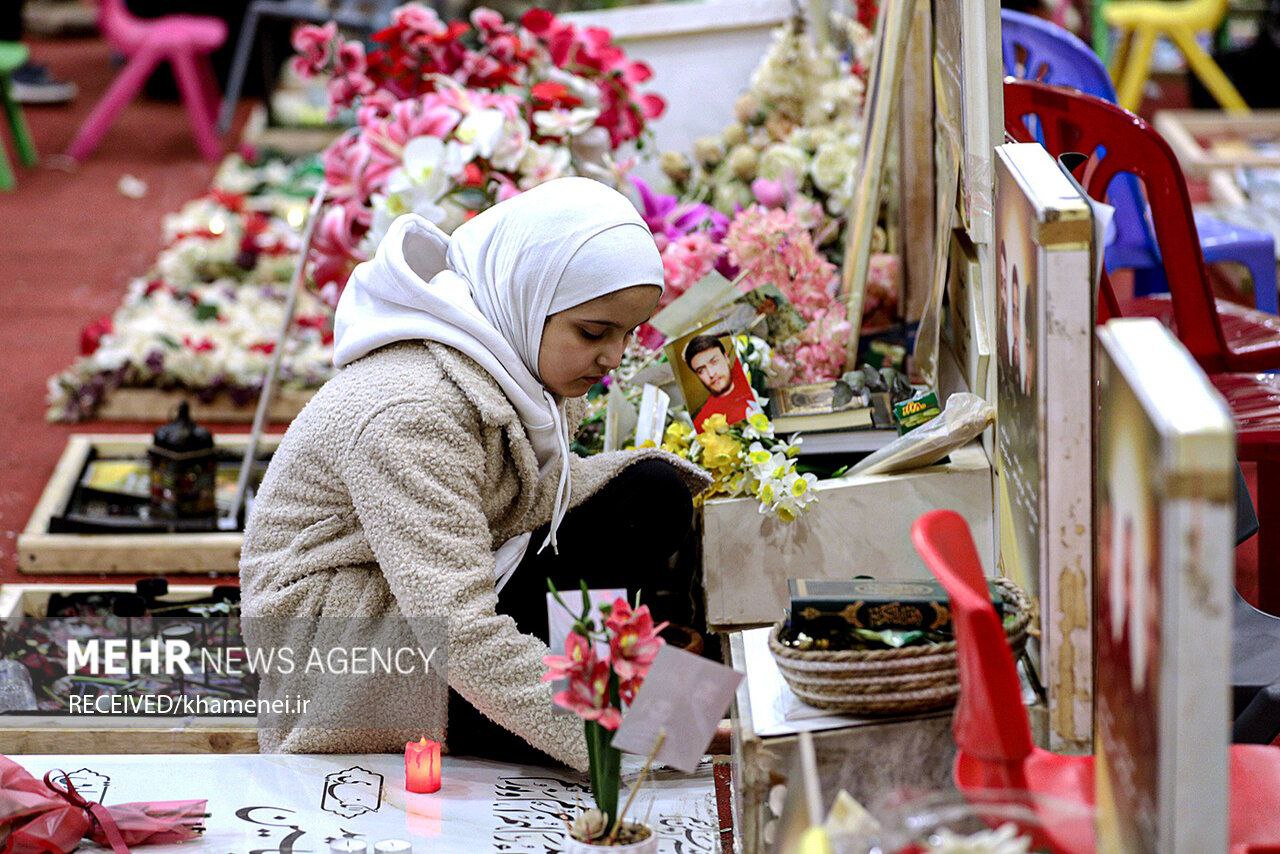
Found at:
[288, 803]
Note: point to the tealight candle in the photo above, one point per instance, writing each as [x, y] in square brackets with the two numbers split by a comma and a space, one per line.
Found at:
[422, 767]
[393, 846]
[348, 846]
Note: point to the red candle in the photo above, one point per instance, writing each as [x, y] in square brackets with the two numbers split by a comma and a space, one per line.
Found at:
[422, 767]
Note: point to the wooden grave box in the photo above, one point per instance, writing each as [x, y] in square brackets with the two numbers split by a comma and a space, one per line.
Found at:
[45, 552]
[54, 733]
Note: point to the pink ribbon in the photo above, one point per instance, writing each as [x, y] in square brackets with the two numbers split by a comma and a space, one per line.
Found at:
[97, 812]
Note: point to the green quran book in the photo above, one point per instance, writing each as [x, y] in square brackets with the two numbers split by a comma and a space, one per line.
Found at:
[866, 603]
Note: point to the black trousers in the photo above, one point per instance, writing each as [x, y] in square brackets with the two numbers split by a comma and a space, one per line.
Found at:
[623, 536]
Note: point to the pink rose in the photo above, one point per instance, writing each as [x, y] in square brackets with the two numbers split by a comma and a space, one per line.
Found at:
[770, 193]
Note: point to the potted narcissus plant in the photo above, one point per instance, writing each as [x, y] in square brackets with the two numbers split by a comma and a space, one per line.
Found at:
[599, 685]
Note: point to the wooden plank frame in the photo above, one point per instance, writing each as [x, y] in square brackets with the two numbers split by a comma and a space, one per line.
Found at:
[57, 734]
[145, 404]
[43, 553]
[916, 166]
[893, 29]
[1183, 130]
[286, 140]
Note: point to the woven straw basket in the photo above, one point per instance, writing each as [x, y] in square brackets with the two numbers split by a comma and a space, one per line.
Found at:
[887, 681]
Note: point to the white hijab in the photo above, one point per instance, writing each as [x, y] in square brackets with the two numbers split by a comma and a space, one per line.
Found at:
[488, 291]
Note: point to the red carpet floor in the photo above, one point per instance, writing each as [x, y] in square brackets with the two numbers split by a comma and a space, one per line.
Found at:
[70, 242]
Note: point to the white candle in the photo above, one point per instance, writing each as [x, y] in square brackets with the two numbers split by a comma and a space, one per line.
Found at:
[348, 846]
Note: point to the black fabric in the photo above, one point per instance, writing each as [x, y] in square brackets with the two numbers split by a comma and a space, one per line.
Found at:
[11, 20]
[1246, 66]
[1246, 516]
[1259, 722]
[623, 536]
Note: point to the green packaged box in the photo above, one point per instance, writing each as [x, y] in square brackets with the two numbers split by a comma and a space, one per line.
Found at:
[920, 409]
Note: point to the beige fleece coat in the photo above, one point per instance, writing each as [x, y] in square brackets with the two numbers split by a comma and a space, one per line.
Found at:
[391, 490]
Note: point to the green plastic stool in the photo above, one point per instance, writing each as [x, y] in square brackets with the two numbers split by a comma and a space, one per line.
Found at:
[12, 57]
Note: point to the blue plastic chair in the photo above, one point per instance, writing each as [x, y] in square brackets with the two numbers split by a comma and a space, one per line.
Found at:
[1036, 49]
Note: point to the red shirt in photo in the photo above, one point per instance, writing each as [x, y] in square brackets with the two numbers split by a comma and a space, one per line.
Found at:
[734, 405]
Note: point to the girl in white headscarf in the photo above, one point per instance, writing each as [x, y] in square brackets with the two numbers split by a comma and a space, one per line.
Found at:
[433, 475]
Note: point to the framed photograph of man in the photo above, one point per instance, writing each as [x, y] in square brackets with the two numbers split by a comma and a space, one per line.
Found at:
[711, 378]
[1044, 386]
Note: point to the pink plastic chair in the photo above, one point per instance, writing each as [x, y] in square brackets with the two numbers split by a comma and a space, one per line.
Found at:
[183, 41]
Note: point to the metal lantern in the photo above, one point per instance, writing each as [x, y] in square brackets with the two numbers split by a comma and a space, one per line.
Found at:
[183, 469]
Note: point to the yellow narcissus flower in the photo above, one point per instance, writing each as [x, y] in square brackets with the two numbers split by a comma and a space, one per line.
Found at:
[718, 449]
[785, 514]
[678, 431]
[799, 487]
[677, 439]
[765, 494]
[759, 421]
[760, 457]
[715, 424]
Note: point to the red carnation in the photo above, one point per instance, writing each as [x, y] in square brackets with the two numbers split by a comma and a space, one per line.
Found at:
[537, 21]
[91, 335]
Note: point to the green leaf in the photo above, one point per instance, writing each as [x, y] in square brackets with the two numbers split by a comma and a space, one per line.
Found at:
[206, 312]
[556, 594]
[593, 758]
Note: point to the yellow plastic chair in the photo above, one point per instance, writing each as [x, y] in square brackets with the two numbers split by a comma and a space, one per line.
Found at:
[1138, 22]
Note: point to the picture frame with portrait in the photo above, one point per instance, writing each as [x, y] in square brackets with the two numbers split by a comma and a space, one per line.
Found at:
[1164, 520]
[711, 377]
[772, 316]
[1044, 393]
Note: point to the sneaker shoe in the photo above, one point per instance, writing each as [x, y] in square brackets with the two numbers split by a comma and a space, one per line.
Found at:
[33, 84]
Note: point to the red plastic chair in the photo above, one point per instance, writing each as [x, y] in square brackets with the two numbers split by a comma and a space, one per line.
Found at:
[183, 41]
[1255, 406]
[1222, 336]
[994, 751]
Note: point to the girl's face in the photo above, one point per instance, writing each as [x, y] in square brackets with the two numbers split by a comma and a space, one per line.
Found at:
[582, 344]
